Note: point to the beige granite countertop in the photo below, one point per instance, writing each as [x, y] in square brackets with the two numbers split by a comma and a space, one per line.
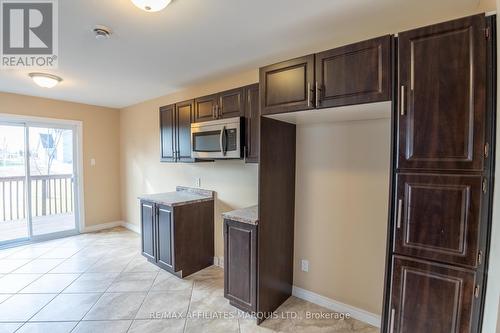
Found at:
[182, 196]
[248, 215]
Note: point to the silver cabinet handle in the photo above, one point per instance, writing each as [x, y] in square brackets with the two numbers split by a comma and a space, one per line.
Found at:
[400, 212]
[403, 93]
[318, 91]
[308, 94]
[391, 323]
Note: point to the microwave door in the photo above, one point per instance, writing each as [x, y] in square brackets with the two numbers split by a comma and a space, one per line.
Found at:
[207, 144]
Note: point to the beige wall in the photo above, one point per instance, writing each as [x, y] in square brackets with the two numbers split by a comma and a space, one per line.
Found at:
[342, 190]
[100, 141]
[234, 181]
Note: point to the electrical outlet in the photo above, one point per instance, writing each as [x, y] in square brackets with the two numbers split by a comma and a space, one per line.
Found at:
[198, 182]
[305, 265]
[92, 162]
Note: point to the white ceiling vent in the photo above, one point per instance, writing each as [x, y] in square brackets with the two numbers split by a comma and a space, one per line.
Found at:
[102, 32]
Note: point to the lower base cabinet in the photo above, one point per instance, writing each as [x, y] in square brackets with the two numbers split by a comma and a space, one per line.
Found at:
[179, 239]
[240, 264]
[431, 297]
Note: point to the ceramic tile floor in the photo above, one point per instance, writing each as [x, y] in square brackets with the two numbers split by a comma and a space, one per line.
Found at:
[99, 282]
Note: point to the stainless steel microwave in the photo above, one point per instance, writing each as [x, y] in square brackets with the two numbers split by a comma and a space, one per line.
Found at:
[217, 139]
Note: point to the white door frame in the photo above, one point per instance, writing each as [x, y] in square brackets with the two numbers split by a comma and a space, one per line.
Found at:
[77, 126]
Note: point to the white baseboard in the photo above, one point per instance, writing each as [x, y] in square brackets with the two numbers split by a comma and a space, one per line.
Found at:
[102, 226]
[132, 227]
[356, 313]
[219, 261]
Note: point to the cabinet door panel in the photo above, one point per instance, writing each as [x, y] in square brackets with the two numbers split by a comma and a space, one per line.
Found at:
[148, 230]
[167, 133]
[231, 103]
[204, 108]
[428, 297]
[442, 71]
[354, 74]
[165, 237]
[287, 86]
[240, 264]
[252, 122]
[184, 119]
[438, 217]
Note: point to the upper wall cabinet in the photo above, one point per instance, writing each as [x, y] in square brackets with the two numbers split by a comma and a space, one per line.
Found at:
[287, 86]
[167, 133]
[226, 104]
[442, 87]
[175, 132]
[252, 123]
[353, 74]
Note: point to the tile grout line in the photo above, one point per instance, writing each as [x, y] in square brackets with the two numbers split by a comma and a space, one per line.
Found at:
[147, 294]
[56, 294]
[107, 288]
[189, 308]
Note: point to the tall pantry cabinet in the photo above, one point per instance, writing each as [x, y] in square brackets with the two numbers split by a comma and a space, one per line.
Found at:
[440, 201]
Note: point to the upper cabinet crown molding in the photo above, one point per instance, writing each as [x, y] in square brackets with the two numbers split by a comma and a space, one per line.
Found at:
[352, 74]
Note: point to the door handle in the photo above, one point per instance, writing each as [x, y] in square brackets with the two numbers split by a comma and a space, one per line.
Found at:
[308, 94]
[318, 91]
[223, 141]
[402, 97]
[391, 323]
[400, 212]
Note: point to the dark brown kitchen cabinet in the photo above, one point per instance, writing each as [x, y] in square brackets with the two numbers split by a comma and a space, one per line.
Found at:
[226, 104]
[231, 103]
[437, 217]
[442, 88]
[287, 86]
[184, 118]
[354, 74]
[175, 132]
[167, 133]
[148, 230]
[178, 239]
[252, 123]
[430, 297]
[164, 237]
[441, 186]
[240, 264]
[204, 108]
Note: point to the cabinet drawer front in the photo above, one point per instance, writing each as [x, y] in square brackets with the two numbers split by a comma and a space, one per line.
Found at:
[287, 86]
[354, 74]
[443, 96]
[437, 217]
[429, 297]
[204, 108]
[240, 264]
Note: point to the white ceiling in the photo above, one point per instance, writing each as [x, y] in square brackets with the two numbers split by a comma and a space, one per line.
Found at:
[153, 54]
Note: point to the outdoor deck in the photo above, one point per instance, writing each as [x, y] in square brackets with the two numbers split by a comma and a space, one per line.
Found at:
[10, 230]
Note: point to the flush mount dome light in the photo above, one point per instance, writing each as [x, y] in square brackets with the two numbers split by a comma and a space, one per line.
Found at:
[45, 80]
[151, 5]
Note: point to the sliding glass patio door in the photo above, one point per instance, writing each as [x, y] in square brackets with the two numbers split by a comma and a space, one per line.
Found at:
[38, 188]
[14, 224]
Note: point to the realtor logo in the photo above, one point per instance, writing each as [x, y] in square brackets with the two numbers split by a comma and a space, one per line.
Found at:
[29, 33]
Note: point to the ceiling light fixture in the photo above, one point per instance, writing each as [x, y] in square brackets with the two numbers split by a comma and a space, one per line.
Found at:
[45, 80]
[151, 5]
